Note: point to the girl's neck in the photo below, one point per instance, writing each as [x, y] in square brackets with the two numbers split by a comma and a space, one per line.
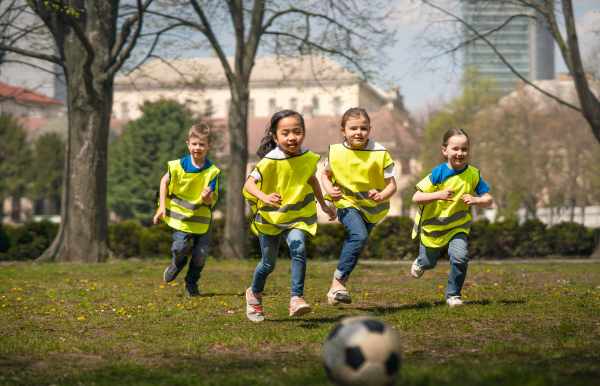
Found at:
[361, 147]
[457, 168]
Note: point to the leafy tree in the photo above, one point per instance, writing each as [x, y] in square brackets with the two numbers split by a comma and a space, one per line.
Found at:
[138, 159]
[14, 158]
[90, 40]
[353, 31]
[47, 168]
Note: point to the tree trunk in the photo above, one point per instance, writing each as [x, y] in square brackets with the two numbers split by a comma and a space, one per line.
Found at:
[83, 232]
[234, 245]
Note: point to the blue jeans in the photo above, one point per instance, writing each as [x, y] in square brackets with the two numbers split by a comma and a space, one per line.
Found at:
[269, 246]
[180, 248]
[356, 241]
[459, 261]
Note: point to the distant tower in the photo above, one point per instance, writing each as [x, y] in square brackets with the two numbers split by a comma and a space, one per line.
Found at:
[523, 42]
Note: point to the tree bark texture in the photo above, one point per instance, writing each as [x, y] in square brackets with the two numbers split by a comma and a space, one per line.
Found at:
[85, 48]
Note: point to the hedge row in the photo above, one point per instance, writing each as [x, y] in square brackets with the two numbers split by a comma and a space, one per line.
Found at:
[390, 240]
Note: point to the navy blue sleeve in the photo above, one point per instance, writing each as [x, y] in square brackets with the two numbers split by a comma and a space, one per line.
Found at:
[481, 188]
[213, 184]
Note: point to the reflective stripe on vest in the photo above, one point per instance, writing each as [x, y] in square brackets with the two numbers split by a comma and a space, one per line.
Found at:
[355, 173]
[184, 208]
[289, 178]
[437, 222]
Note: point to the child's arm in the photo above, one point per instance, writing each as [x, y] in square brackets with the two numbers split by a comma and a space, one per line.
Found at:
[422, 198]
[164, 182]
[272, 199]
[319, 196]
[483, 201]
[386, 193]
[207, 195]
[333, 191]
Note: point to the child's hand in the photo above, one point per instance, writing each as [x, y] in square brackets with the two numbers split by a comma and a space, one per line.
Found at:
[470, 200]
[272, 199]
[331, 212]
[375, 195]
[207, 192]
[445, 195]
[161, 212]
[335, 194]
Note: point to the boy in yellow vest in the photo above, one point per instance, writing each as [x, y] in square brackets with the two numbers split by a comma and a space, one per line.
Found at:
[188, 192]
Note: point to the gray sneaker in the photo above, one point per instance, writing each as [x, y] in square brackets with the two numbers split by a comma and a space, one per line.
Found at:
[171, 272]
[415, 270]
[191, 290]
[254, 310]
[338, 294]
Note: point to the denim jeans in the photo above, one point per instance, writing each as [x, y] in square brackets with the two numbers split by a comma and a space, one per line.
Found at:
[459, 261]
[356, 241]
[269, 246]
[180, 248]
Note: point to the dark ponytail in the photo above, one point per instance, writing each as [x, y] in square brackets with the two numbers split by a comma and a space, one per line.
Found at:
[268, 143]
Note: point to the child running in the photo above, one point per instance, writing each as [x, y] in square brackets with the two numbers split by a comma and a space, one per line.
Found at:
[281, 191]
[358, 177]
[443, 218]
[188, 192]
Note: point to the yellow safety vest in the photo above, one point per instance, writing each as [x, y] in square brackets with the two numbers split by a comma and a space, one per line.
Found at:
[185, 210]
[355, 173]
[438, 221]
[289, 178]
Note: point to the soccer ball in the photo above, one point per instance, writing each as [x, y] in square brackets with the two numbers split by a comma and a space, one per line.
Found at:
[362, 350]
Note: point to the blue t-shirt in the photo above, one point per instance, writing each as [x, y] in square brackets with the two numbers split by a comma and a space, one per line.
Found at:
[188, 167]
[442, 172]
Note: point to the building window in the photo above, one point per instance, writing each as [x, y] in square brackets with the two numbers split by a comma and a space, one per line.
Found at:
[251, 111]
[315, 106]
[337, 106]
[208, 108]
[124, 110]
[294, 104]
[272, 106]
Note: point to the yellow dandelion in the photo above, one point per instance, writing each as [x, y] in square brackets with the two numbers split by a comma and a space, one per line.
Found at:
[81, 318]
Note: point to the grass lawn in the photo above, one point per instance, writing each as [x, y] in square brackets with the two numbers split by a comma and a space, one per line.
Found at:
[119, 323]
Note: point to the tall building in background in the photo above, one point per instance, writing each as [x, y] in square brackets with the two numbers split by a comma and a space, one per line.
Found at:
[523, 42]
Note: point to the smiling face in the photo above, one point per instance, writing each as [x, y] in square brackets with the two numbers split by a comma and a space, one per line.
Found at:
[199, 146]
[356, 131]
[289, 135]
[456, 151]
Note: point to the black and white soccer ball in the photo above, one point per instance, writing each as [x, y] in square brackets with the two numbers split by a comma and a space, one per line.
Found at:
[362, 350]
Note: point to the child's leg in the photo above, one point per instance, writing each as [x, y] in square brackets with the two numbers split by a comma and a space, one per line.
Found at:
[428, 257]
[269, 246]
[459, 261]
[295, 240]
[181, 245]
[199, 255]
[356, 240]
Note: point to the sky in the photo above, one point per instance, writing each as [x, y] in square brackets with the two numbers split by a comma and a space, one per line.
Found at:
[424, 84]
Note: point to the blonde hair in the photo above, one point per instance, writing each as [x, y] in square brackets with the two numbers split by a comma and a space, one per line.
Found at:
[200, 130]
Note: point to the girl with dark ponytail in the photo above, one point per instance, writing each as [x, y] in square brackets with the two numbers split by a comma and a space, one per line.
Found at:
[281, 191]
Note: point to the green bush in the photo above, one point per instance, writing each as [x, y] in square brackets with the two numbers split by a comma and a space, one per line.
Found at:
[126, 238]
[4, 240]
[30, 240]
[497, 240]
[571, 239]
[533, 240]
[392, 240]
[327, 243]
[156, 241]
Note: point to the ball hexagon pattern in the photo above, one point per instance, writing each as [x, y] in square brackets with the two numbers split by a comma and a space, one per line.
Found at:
[362, 350]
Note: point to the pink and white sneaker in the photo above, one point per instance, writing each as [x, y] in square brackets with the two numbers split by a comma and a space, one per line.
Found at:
[299, 307]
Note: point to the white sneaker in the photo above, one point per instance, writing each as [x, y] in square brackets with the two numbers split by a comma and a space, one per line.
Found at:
[299, 307]
[338, 294]
[454, 301]
[254, 310]
[416, 271]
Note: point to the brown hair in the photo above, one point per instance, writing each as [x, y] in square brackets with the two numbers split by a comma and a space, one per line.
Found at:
[452, 133]
[200, 130]
[355, 112]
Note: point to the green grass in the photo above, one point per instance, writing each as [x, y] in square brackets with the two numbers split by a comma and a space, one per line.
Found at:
[119, 323]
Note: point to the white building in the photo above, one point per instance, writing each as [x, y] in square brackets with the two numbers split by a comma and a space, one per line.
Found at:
[311, 85]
